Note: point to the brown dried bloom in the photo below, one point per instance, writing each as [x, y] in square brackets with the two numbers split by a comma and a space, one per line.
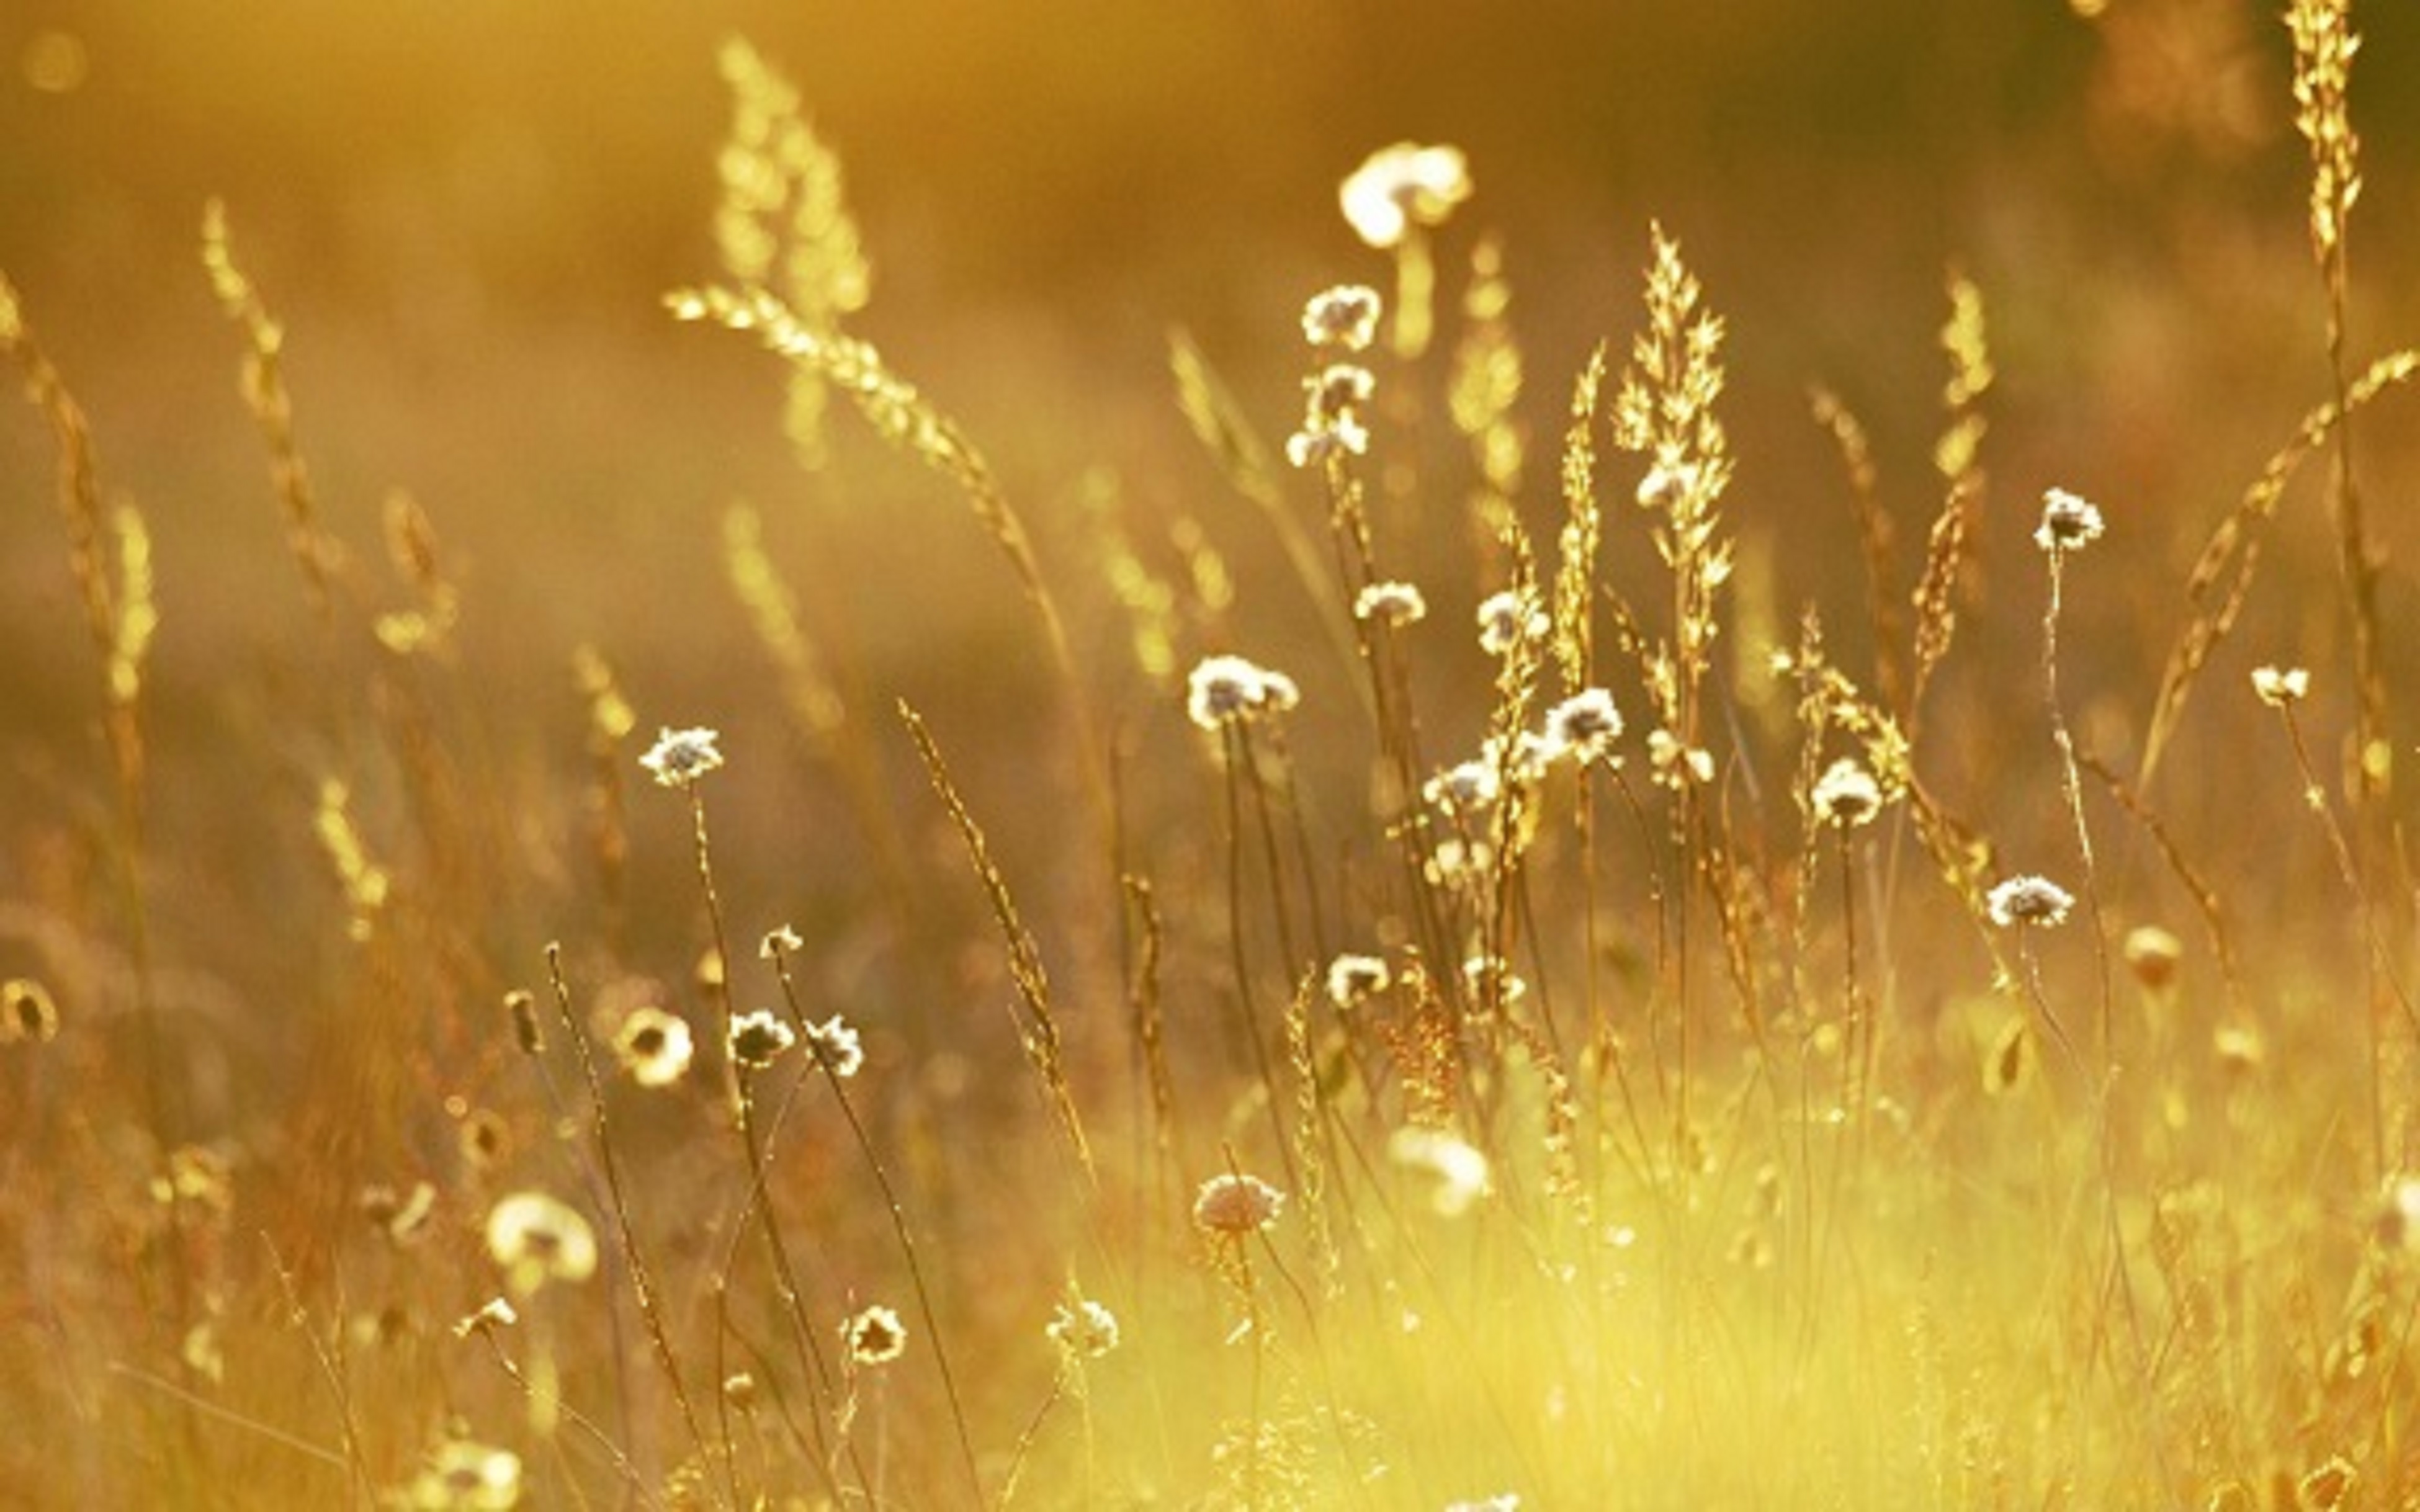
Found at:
[758, 1039]
[1394, 603]
[680, 757]
[1236, 1205]
[876, 1337]
[1225, 689]
[2028, 900]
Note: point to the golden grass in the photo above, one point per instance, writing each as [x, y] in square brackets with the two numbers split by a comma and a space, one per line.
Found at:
[1538, 1063]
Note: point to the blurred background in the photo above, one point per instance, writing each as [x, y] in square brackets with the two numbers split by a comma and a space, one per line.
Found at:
[467, 215]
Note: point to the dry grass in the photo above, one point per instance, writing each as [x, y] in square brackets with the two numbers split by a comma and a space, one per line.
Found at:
[1592, 1055]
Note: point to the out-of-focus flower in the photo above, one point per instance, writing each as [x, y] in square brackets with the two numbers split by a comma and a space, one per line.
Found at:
[654, 1046]
[1401, 186]
[1236, 1205]
[2028, 900]
[2278, 686]
[1225, 689]
[1083, 1328]
[1459, 1170]
[538, 1239]
[875, 1336]
[1584, 726]
[1344, 316]
[1353, 980]
[2069, 522]
[1846, 794]
[1507, 618]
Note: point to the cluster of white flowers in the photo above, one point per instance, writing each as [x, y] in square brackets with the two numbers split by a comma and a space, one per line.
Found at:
[1225, 689]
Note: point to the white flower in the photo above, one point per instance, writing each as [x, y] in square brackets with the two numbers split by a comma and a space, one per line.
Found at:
[1237, 1205]
[876, 1337]
[2069, 522]
[1345, 316]
[1509, 617]
[537, 1240]
[758, 1039]
[679, 757]
[1396, 603]
[464, 1476]
[1353, 980]
[837, 1045]
[2028, 900]
[1459, 1170]
[2279, 686]
[1846, 794]
[654, 1046]
[1083, 1328]
[1402, 185]
[1465, 787]
[1223, 690]
[1584, 726]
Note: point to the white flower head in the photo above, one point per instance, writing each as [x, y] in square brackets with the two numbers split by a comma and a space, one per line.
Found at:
[465, 1476]
[654, 1046]
[2030, 899]
[537, 1238]
[1458, 1170]
[1846, 794]
[1508, 618]
[1465, 787]
[1083, 1328]
[1344, 316]
[679, 757]
[758, 1039]
[1222, 690]
[1584, 726]
[2278, 686]
[1391, 603]
[837, 1045]
[1401, 186]
[2069, 522]
[876, 1337]
[1236, 1205]
[1353, 980]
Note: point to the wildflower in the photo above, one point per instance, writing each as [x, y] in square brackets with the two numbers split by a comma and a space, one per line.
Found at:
[780, 942]
[1353, 980]
[404, 1219]
[2068, 523]
[1236, 1205]
[2240, 1048]
[1490, 979]
[654, 1046]
[1508, 618]
[1331, 423]
[494, 1313]
[1465, 787]
[2030, 899]
[1668, 485]
[740, 1390]
[1223, 690]
[680, 757]
[523, 1008]
[1846, 794]
[1345, 316]
[1401, 186]
[1459, 1170]
[2279, 686]
[1083, 1328]
[2152, 954]
[758, 1039]
[837, 1046]
[1676, 762]
[1584, 726]
[537, 1240]
[466, 1476]
[876, 1337]
[1392, 602]
[26, 1012]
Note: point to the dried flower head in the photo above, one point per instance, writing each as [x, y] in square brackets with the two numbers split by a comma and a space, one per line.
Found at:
[483, 1138]
[1353, 980]
[837, 1046]
[522, 1007]
[494, 1313]
[2152, 955]
[2030, 899]
[2398, 1216]
[2278, 686]
[403, 1218]
[654, 1046]
[1083, 1328]
[1225, 689]
[27, 1014]
[1846, 794]
[1508, 618]
[1344, 316]
[1675, 762]
[876, 1337]
[1584, 726]
[679, 757]
[538, 1239]
[758, 1039]
[464, 1476]
[2069, 522]
[1391, 603]
[1465, 787]
[780, 942]
[1401, 186]
[1331, 420]
[1235, 1205]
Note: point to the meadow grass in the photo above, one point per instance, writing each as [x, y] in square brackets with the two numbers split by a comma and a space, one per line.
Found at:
[1540, 1026]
